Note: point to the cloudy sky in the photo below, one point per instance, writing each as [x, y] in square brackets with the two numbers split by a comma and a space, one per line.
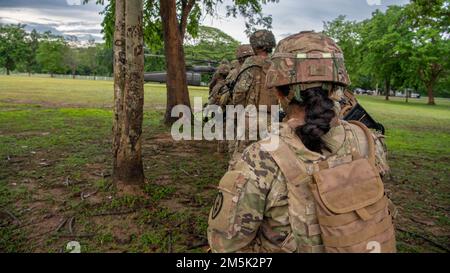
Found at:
[289, 16]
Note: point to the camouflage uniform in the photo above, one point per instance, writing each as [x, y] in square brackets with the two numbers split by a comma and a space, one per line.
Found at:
[222, 72]
[252, 210]
[245, 92]
[214, 98]
[234, 64]
[251, 213]
[217, 75]
[242, 53]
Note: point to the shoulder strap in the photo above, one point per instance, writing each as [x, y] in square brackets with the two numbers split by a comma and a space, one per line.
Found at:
[369, 137]
[288, 163]
[247, 68]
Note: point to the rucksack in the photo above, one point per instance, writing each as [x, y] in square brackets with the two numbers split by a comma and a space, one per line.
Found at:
[348, 209]
[264, 95]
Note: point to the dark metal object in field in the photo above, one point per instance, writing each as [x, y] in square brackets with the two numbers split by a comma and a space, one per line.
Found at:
[358, 113]
[193, 78]
[193, 74]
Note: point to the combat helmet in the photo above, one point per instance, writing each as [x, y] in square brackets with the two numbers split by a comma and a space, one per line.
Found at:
[263, 39]
[223, 69]
[308, 59]
[244, 51]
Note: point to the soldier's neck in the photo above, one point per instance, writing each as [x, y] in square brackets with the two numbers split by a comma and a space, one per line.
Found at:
[296, 116]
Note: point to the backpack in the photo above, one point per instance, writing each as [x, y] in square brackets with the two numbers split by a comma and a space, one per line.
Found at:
[349, 211]
[263, 95]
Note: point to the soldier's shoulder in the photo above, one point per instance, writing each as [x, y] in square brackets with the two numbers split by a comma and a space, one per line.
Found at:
[259, 161]
[253, 61]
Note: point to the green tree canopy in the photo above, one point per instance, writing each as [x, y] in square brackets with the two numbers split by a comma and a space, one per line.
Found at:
[190, 12]
[13, 47]
[50, 54]
[211, 44]
[403, 47]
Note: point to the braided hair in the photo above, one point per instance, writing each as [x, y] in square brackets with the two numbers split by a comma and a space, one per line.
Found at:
[319, 109]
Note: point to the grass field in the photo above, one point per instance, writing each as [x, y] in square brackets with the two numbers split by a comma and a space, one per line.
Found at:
[55, 183]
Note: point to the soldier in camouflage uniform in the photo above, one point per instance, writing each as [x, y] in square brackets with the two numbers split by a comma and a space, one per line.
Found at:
[242, 53]
[252, 210]
[250, 84]
[234, 64]
[222, 73]
[214, 98]
[216, 75]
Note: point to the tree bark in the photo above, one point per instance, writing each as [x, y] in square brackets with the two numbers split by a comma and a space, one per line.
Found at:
[430, 87]
[177, 91]
[387, 87]
[128, 93]
[7, 71]
[186, 8]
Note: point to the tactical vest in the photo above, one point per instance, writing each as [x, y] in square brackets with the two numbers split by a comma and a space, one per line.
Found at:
[215, 96]
[338, 204]
[261, 95]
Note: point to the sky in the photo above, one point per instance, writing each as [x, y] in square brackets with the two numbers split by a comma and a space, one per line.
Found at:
[68, 17]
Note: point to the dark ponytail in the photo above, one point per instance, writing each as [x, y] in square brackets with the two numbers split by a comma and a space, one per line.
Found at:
[319, 110]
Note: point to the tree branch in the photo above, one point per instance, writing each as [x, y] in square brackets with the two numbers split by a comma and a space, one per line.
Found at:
[186, 8]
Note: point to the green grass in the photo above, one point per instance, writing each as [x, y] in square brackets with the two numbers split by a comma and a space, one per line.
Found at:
[54, 130]
[75, 93]
[414, 127]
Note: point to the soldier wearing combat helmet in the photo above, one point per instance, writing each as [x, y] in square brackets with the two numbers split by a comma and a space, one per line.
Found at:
[317, 187]
[216, 75]
[250, 88]
[222, 72]
[242, 53]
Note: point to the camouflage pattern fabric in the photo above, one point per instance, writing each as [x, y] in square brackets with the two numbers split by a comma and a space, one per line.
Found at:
[234, 64]
[244, 51]
[251, 213]
[245, 89]
[222, 71]
[246, 92]
[263, 39]
[214, 97]
[213, 82]
[310, 59]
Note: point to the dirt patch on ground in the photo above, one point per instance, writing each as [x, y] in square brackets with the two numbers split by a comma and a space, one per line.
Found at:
[169, 214]
[162, 217]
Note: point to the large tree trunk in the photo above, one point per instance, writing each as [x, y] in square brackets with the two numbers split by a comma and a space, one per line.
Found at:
[387, 87]
[7, 71]
[430, 87]
[430, 81]
[177, 91]
[128, 93]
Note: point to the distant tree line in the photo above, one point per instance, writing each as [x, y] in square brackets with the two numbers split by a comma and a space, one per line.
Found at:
[402, 48]
[210, 44]
[33, 52]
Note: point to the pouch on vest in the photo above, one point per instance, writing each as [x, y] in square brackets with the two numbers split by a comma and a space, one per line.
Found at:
[350, 204]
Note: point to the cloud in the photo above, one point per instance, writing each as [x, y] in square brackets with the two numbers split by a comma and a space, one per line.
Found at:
[289, 16]
[56, 16]
[292, 16]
